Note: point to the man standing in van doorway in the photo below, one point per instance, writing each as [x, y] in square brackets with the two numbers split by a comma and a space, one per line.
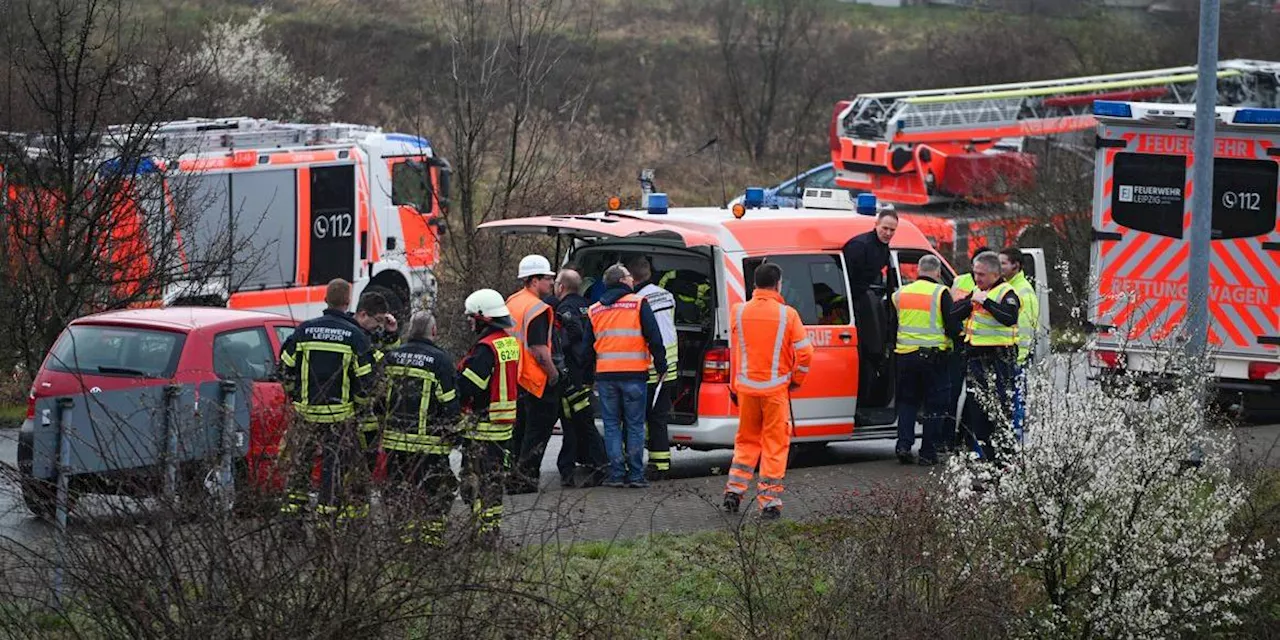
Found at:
[1028, 328]
[660, 388]
[991, 333]
[926, 335]
[539, 401]
[866, 255]
[769, 358]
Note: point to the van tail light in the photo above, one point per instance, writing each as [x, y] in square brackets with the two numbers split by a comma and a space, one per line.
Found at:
[1107, 359]
[1264, 370]
[833, 133]
[715, 366]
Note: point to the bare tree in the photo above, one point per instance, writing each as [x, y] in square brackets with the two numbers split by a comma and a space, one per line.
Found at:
[87, 213]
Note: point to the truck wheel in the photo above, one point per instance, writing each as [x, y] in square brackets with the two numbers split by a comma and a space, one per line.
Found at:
[41, 498]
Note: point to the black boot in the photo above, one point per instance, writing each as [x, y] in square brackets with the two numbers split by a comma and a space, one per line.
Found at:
[732, 502]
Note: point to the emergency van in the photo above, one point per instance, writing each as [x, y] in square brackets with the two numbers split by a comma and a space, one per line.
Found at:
[290, 205]
[849, 392]
[1141, 243]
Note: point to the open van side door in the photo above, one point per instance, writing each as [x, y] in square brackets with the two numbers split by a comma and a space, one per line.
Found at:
[1037, 271]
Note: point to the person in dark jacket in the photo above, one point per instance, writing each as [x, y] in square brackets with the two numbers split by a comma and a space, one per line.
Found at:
[581, 443]
[991, 336]
[866, 255]
[622, 328]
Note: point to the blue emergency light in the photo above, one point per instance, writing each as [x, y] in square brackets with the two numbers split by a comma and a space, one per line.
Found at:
[1112, 108]
[754, 198]
[1257, 116]
[657, 203]
[867, 204]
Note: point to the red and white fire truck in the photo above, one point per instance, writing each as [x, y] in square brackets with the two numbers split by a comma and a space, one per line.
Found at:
[1141, 244]
[927, 151]
[290, 206]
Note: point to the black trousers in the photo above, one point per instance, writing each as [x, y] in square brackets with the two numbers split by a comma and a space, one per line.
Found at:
[657, 416]
[418, 493]
[989, 405]
[582, 443]
[481, 482]
[535, 419]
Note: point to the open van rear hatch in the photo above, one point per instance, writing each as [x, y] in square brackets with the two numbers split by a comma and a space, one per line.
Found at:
[601, 226]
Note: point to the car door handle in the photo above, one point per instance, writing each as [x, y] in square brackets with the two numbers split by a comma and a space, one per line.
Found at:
[845, 336]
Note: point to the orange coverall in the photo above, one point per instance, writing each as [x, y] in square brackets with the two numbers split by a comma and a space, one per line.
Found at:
[769, 352]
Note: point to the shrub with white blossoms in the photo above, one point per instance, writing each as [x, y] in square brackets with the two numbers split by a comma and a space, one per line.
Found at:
[1099, 511]
[254, 77]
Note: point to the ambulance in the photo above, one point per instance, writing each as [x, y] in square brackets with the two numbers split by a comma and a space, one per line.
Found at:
[1141, 244]
[849, 394]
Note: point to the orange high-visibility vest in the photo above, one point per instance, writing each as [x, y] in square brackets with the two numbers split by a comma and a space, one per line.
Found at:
[525, 307]
[770, 347]
[620, 345]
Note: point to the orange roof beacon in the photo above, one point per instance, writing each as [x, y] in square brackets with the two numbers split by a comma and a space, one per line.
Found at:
[300, 203]
[706, 256]
[1141, 222]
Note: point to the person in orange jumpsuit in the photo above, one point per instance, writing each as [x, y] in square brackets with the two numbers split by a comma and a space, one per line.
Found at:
[769, 356]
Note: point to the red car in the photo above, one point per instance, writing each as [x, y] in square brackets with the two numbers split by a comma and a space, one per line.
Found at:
[120, 350]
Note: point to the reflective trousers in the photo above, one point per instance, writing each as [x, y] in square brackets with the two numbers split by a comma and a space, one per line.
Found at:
[481, 482]
[344, 481]
[763, 439]
[419, 491]
[657, 415]
[581, 443]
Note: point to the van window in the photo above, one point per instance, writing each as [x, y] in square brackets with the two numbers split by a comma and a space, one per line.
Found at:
[244, 353]
[814, 284]
[1146, 193]
[909, 265]
[116, 351]
[1244, 197]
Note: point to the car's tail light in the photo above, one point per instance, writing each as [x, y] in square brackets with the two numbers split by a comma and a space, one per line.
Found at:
[1264, 370]
[1108, 359]
[833, 133]
[715, 366]
[31, 405]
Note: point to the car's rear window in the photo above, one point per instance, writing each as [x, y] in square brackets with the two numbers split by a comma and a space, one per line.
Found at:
[116, 351]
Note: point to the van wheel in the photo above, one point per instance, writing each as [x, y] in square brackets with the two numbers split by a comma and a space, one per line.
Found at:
[41, 498]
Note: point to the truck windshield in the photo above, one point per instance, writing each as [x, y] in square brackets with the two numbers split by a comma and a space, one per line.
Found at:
[116, 351]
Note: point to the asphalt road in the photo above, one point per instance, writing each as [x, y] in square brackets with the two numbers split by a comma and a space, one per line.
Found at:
[817, 484]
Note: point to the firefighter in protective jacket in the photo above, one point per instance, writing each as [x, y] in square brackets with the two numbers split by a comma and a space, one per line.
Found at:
[420, 409]
[326, 366]
[488, 382]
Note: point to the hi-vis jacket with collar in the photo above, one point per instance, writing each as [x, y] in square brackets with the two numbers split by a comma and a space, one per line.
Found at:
[769, 348]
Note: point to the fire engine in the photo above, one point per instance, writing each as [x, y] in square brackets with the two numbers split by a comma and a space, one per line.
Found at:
[928, 150]
[291, 206]
[1141, 231]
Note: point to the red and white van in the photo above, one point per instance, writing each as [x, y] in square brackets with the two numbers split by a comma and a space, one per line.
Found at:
[1141, 243]
[846, 397]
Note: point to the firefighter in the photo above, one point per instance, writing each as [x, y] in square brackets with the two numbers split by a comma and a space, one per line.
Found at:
[991, 336]
[1028, 326]
[625, 340]
[581, 444]
[769, 356]
[374, 317]
[488, 383]
[926, 333]
[420, 411]
[659, 388]
[539, 380]
[692, 293]
[954, 425]
[326, 366]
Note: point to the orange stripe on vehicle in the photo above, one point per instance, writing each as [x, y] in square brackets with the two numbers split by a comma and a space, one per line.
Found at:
[1215, 276]
[277, 297]
[302, 157]
[304, 224]
[815, 430]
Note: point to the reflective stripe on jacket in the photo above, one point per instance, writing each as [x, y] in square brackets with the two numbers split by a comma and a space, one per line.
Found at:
[920, 317]
[619, 339]
[1028, 314]
[495, 420]
[769, 346]
[421, 403]
[664, 309]
[525, 307]
[964, 283]
[327, 365]
[983, 330]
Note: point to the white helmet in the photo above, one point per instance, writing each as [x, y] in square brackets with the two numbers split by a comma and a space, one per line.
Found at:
[489, 304]
[534, 265]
